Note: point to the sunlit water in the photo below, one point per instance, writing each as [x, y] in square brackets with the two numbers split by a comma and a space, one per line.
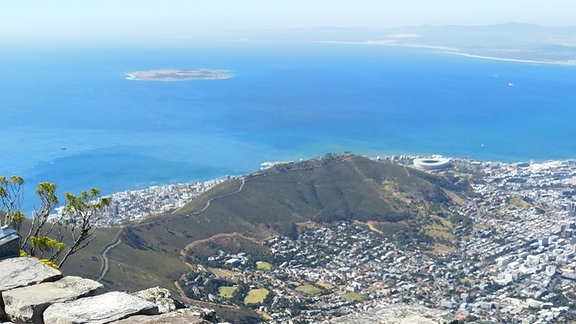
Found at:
[69, 115]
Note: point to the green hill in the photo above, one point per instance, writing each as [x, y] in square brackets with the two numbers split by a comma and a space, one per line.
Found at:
[335, 187]
[404, 203]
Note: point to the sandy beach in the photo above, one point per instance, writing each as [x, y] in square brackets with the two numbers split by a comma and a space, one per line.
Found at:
[510, 60]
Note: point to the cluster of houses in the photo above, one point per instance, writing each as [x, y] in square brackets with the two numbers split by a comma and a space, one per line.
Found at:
[516, 265]
[134, 204]
[525, 215]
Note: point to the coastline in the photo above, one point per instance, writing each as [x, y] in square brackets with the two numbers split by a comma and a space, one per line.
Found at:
[130, 205]
[493, 58]
[450, 51]
[142, 131]
[134, 204]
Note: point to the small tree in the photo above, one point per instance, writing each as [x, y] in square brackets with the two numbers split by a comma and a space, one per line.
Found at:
[82, 212]
[53, 236]
[11, 200]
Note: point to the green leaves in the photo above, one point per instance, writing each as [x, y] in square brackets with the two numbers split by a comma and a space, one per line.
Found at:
[85, 201]
[48, 200]
[47, 244]
[56, 236]
[15, 218]
[11, 198]
[81, 213]
[14, 180]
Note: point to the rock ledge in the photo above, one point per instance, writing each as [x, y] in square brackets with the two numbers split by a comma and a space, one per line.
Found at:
[32, 292]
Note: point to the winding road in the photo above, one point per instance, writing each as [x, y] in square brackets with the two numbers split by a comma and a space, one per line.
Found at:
[104, 256]
[117, 239]
[222, 196]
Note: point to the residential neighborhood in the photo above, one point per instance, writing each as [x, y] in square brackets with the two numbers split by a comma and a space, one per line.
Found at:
[131, 205]
[515, 263]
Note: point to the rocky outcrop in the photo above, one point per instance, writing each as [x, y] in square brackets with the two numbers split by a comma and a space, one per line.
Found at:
[27, 304]
[32, 292]
[104, 308]
[181, 316]
[20, 272]
[394, 314]
[161, 297]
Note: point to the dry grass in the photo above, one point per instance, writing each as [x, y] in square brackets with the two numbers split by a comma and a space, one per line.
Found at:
[324, 285]
[226, 292]
[264, 266]
[519, 202]
[309, 289]
[223, 273]
[255, 296]
[353, 297]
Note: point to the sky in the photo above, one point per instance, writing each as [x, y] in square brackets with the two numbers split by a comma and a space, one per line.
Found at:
[73, 19]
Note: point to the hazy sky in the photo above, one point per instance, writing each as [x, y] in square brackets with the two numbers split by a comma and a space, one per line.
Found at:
[73, 19]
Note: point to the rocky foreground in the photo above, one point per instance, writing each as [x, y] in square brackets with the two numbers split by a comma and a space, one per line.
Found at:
[395, 314]
[32, 292]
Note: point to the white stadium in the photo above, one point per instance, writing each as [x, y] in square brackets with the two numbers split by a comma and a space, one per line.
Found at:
[433, 163]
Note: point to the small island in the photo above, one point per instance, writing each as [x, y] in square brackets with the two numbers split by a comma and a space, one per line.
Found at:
[178, 75]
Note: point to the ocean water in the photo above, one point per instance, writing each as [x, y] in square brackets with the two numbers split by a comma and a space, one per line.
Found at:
[69, 116]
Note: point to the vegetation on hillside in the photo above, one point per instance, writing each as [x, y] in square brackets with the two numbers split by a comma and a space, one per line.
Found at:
[332, 188]
[196, 245]
[50, 236]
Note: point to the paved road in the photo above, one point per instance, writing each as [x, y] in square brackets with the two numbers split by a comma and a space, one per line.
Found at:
[117, 240]
[104, 255]
[222, 196]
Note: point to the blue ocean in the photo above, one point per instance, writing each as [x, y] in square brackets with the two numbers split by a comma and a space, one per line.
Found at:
[69, 116]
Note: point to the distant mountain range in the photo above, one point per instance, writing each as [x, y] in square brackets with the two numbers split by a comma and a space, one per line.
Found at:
[513, 41]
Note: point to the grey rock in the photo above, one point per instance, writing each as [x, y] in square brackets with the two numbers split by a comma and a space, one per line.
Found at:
[181, 316]
[395, 314]
[103, 308]
[161, 297]
[20, 272]
[26, 304]
[205, 313]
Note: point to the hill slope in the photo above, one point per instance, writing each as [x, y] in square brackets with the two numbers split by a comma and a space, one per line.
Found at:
[335, 187]
[270, 202]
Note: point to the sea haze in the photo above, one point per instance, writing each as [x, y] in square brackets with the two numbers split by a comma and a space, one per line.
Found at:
[70, 116]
